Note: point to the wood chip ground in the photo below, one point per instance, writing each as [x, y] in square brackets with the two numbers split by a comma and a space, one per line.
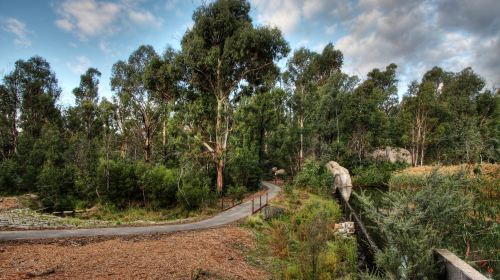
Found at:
[208, 254]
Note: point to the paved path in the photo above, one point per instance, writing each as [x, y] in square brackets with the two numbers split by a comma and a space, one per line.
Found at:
[236, 213]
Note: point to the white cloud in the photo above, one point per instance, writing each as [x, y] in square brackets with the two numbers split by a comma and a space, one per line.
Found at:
[80, 66]
[91, 18]
[18, 28]
[64, 24]
[284, 14]
[143, 17]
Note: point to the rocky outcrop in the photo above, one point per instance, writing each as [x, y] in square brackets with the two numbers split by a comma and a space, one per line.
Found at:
[342, 179]
[392, 155]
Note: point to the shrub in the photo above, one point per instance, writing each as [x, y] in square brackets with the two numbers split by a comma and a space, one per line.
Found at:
[8, 177]
[55, 187]
[339, 259]
[416, 221]
[279, 237]
[118, 183]
[375, 175]
[403, 181]
[255, 221]
[236, 192]
[194, 192]
[313, 175]
[160, 186]
[314, 225]
[244, 169]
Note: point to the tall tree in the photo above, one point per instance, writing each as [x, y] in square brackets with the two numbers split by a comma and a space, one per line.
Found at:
[144, 105]
[162, 77]
[219, 52]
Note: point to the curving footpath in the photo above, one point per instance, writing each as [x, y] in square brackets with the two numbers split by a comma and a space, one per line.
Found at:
[234, 214]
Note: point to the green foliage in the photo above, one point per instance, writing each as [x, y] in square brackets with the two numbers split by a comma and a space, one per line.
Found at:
[192, 196]
[313, 175]
[302, 242]
[244, 168]
[375, 175]
[55, 187]
[118, 183]
[236, 192]
[8, 177]
[415, 222]
[406, 181]
[159, 185]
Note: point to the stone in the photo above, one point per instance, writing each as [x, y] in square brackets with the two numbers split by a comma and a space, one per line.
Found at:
[342, 180]
[392, 155]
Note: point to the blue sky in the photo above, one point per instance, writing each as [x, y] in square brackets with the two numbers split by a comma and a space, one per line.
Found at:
[416, 35]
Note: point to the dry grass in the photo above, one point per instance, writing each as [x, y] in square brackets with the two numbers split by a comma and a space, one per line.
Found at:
[209, 254]
[487, 169]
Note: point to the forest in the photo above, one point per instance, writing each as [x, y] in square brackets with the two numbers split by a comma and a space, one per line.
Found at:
[188, 125]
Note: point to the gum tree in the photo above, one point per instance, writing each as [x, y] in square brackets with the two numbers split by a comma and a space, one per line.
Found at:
[220, 52]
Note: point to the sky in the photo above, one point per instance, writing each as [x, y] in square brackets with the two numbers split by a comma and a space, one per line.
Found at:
[73, 35]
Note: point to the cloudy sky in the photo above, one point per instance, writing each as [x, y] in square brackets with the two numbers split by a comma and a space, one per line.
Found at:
[414, 34]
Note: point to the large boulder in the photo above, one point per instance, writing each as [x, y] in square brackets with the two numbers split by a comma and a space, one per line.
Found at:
[342, 179]
[392, 155]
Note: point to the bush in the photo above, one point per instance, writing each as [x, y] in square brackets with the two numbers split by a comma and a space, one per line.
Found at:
[8, 177]
[244, 169]
[375, 175]
[315, 176]
[160, 186]
[195, 192]
[314, 224]
[403, 181]
[236, 192]
[339, 260]
[416, 221]
[55, 187]
[118, 183]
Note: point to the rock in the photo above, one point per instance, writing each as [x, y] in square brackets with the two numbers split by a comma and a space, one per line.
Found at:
[342, 179]
[345, 228]
[392, 155]
[273, 212]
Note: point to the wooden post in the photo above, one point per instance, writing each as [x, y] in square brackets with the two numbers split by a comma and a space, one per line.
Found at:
[252, 205]
[267, 197]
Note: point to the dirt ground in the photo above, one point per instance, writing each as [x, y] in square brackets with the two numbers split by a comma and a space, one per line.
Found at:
[208, 254]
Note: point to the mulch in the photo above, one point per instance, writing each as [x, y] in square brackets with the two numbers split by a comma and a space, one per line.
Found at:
[208, 254]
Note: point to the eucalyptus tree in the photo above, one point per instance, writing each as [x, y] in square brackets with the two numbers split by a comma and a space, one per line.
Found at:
[368, 110]
[86, 97]
[84, 128]
[33, 91]
[306, 71]
[221, 51]
[138, 104]
[163, 78]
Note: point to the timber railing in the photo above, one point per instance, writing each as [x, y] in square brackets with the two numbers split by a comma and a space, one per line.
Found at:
[257, 202]
[233, 202]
